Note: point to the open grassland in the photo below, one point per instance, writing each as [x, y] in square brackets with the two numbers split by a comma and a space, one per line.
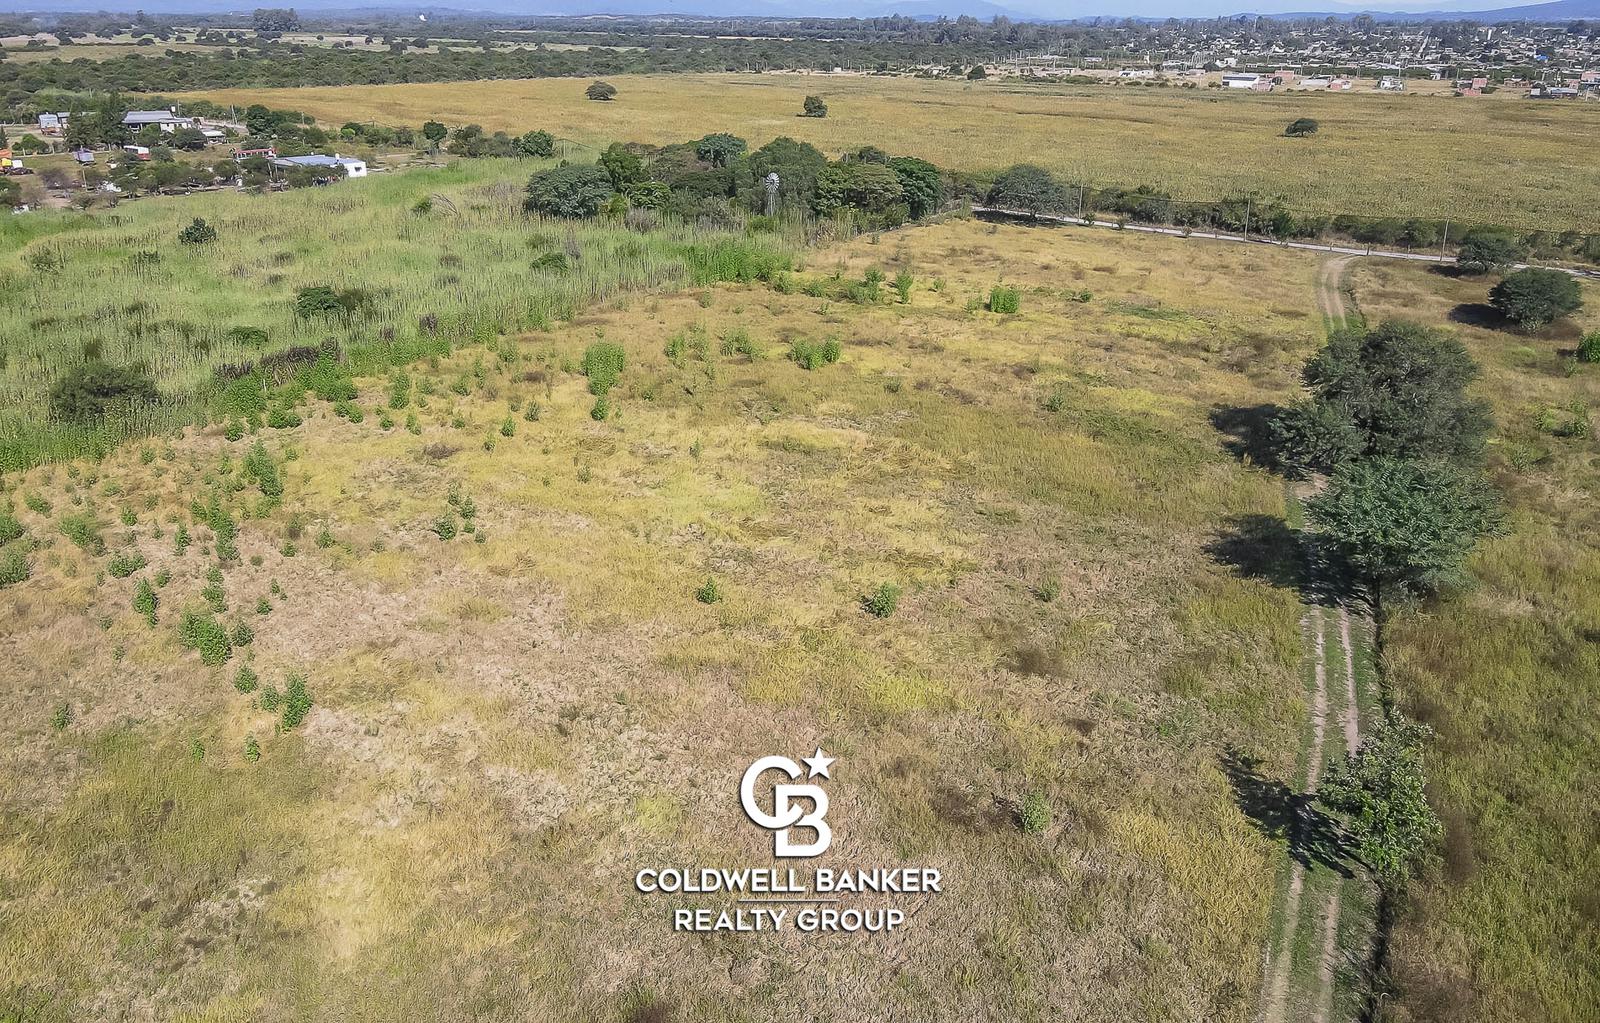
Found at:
[1507, 928]
[1405, 156]
[468, 266]
[508, 724]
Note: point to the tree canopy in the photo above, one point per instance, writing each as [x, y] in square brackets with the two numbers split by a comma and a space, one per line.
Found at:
[95, 388]
[601, 91]
[1397, 390]
[1404, 523]
[1028, 188]
[1533, 297]
[1381, 791]
[577, 190]
[1300, 127]
[1485, 249]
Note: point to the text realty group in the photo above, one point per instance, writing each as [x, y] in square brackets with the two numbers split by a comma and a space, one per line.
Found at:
[757, 883]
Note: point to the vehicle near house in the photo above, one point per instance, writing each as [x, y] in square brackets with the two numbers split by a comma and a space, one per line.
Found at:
[137, 152]
[353, 168]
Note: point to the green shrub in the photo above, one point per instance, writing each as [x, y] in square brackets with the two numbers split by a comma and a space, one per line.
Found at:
[88, 391]
[144, 601]
[1034, 816]
[1004, 300]
[61, 717]
[37, 503]
[198, 233]
[125, 563]
[509, 427]
[83, 531]
[1589, 347]
[10, 528]
[881, 603]
[263, 606]
[245, 679]
[296, 701]
[708, 593]
[270, 698]
[600, 411]
[252, 749]
[321, 300]
[445, 527]
[602, 364]
[902, 284]
[243, 634]
[201, 633]
[14, 565]
[259, 467]
[180, 539]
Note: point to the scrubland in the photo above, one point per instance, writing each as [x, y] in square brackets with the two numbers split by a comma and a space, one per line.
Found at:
[517, 699]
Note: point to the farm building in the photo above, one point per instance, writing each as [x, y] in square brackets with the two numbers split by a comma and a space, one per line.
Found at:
[353, 168]
[166, 120]
[1240, 81]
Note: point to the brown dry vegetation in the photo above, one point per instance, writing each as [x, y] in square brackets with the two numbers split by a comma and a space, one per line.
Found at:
[1401, 156]
[505, 731]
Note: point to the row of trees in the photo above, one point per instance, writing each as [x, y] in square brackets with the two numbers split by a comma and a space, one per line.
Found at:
[711, 176]
[1389, 421]
[1036, 191]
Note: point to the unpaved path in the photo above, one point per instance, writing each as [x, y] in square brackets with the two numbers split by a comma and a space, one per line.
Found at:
[1286, 996]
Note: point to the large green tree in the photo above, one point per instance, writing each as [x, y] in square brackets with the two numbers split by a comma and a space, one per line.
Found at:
[922, 183]
[1396, 390]
[1534, 297]
[577, 190]
[91, 390]
[1028, 189]
[1404, 523]
[717, 149]
[871, 188]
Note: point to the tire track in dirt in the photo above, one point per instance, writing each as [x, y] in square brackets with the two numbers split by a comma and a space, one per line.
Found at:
[1279, 979]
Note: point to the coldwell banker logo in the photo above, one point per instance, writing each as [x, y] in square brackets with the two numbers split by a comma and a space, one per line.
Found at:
[789, 804]
[776, 898]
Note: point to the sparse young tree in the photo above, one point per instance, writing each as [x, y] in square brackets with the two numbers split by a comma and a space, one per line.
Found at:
[1381, 793]
[1485, 249]
[1533, 297]
[815, 107]
[1300, 127]
[434, 132]
[537, 143]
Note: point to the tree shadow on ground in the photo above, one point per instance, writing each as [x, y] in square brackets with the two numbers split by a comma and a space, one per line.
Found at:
[1478, 314]
[1281, 814]
[1248, 432]
[1454, 271]
[1261, 547]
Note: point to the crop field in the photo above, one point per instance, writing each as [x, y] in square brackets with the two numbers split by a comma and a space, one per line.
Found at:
[1506, 927]
[122, 285]
[507, 643]
[1404, 156]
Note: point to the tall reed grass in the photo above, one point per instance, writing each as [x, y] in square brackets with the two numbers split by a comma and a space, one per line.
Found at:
[120, 286]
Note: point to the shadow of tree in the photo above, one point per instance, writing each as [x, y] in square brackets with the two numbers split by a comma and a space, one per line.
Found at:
[1479, 314]
[1261, 547]
[1248, 432]
[1281, 814]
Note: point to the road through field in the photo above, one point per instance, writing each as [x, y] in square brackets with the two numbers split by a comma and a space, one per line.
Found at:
[1302, 964]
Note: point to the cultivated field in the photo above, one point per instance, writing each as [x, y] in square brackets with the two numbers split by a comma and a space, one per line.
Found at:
[1405, 156]
[506, 724]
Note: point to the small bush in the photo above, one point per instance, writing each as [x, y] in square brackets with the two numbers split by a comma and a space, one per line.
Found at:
[198, 233]
[881, 603]
[61, 717]
[445, 527]
[202, 634]
[296, 701]
[14, 566]
[252, 749]
[601, 410]
[1034, 815]
[1004, 300]
[245, 679]
[243, 634]
[602, 364]
[708, 593]
[144, 601]
[125, 563]
[10, 528]
[83, 531]
[1589, 347]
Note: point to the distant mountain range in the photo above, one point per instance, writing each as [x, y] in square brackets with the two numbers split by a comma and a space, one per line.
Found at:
[1024, 10]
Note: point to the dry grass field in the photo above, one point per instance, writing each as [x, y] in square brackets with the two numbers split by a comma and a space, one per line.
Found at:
[507, 724]
[1406, 156]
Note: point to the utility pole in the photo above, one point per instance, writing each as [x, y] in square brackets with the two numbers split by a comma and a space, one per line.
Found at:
[1445, 240]
[1247, 218]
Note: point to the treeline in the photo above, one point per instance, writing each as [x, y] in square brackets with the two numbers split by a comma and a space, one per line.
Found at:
[1036, 191]
[718, 176]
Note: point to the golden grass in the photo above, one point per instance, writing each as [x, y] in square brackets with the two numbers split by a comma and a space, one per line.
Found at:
[1412, 155]
[504, 732]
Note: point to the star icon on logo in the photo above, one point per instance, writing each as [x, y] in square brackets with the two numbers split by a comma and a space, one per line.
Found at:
[817, 765]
